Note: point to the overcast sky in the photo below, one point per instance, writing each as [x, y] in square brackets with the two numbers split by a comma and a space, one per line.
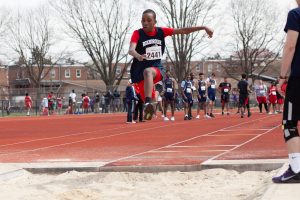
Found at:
[23, 4]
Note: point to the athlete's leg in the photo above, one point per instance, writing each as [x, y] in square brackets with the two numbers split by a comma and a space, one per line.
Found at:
[149, 76]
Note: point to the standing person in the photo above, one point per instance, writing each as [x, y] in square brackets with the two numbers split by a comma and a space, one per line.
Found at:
[50, 98]
[211, 93]
[169, 96]
[72, 97]
[97, 102]
[139, 107]
[28, 103]
[235, 98]
[291, 112]
[202, 96]
[280, 100]
[159, 101]
[261, 95]
[44, 104]
[85, 103]
[187, 96]
[244, 90]
[59, 104]
[130, 98]
[225, 89]
[147, 46]
[272, 98]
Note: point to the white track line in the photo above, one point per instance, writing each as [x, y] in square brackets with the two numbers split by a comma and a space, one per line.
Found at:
[259, 129]
[172, 145]
[230, 150]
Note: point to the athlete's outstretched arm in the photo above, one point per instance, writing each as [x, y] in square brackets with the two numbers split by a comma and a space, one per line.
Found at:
[193, 29]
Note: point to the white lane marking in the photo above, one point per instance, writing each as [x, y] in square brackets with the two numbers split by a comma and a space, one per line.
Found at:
[248, 141]
[172, 145]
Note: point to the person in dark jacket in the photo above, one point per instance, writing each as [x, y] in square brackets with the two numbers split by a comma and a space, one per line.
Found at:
[139, 107]
[130, 99]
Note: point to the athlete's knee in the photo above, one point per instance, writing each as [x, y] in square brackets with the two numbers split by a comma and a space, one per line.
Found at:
[290, 129]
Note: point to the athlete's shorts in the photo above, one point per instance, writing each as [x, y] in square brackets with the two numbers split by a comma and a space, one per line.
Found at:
[202, 99]
[169, 97]
[225, 98]
[291, 109]
[156, 80]
[188, 99]
[273, 99]
[211, 96]
[280, 101]
[243, 100]
[262, 99]
[28, 105]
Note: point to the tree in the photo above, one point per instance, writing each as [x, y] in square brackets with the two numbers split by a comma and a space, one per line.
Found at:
[101, 27]
[31, 38]
[257, 40]
[185, 13]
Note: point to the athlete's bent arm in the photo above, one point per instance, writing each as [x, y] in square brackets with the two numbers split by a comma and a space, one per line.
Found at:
[288, 54]
[135, 54]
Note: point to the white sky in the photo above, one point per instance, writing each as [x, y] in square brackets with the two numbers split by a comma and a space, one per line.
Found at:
[13, 5]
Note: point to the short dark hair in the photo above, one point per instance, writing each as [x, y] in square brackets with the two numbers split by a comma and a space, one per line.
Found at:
[150, 11]
[200, 74]
[244, 75]
[26, 94]
[213, 74]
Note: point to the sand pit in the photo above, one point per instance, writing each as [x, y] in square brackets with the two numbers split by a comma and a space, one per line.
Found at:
[207, 184]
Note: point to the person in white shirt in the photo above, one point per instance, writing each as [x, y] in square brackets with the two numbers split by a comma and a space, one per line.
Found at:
[73, 98]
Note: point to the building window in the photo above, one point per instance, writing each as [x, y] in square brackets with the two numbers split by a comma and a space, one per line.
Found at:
[118, 70]
[78, 73]
[67, 73]
[209, 68]
[199, 67]
[52, 73]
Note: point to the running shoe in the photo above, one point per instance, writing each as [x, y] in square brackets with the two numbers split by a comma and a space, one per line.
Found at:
[222, 113]
[211, 115]
[172, 118]
[249, 114]
[198, 117]
[287, 177]
[207, 116]
[190, 118]
[166, 119]
[148, 111]
[186, 117]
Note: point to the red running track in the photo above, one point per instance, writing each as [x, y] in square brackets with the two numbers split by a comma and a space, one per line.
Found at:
[106, 138]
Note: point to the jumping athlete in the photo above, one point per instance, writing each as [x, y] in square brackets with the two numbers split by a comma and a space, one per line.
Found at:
[225, 89]
[147, 47]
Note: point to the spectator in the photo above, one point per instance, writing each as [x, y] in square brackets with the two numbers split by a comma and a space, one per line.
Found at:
[72, 97]
[96, 102]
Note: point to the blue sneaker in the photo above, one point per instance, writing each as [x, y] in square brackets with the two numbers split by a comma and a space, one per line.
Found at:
[148, 111]
[287, 177]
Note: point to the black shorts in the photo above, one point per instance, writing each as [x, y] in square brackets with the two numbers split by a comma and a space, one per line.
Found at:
[188, 100]
[291, 109]
[169, 97]
[225, 98]
[202, 99]
[244, 100]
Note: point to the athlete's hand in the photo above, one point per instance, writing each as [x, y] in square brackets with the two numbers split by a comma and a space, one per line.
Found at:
[279, 87]
[209, 32]
[142, 57]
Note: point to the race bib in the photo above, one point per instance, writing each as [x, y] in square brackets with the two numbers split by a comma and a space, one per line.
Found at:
[169, 90]
[203, 88]
[226, 90]
[193, 88]
[213, 86]
[153, 53]
[273, 93]
[188, 90]
[262, 91]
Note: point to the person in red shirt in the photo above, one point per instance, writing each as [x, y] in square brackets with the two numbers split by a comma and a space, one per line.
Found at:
[272, 98]
[28, 103]
[85, 103]
[147, 46]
